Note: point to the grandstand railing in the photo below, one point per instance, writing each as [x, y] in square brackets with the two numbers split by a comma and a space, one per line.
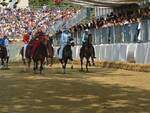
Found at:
[117, 34]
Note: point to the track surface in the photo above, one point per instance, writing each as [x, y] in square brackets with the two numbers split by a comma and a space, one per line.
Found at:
[99, 91]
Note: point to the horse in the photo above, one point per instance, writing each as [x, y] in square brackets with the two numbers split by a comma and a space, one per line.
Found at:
[50, 52]
[87, 51]
[39, 55]
[67, 55]
[3, 56]
[27, 53]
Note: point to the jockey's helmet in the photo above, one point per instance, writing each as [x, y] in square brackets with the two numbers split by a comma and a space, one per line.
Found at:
[86, 30]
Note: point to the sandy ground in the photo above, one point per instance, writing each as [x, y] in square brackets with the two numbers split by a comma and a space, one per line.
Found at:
[101, 90]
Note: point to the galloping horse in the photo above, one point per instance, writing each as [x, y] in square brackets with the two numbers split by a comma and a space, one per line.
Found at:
[67, 55]
[87, 52]
[40, 55]
[28, 53]
[50, 51]
[3, 56]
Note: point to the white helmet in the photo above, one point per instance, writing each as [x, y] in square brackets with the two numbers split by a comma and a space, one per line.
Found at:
[86, 30]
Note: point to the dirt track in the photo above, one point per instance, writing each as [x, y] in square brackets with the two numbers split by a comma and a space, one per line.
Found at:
[99, 91]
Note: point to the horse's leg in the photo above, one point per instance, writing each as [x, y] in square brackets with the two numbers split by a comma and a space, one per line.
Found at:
[81, 60]
[29, 62]
[35, 66]
[41, 65]
[2, 60]
[24, 61]
[87, 63]
[7, 60]
[51, 62]
[64, 67]
[37, 63]
[93, 61]
[71, 64]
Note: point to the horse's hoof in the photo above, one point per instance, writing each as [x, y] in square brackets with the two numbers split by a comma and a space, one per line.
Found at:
[93, 64]
[81, 70]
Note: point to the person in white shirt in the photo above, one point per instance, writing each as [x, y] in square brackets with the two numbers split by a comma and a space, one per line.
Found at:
[140, 38]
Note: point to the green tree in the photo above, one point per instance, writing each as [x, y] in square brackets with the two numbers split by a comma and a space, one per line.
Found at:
[39, 3]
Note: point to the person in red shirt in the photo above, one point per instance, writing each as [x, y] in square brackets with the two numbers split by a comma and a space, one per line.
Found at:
[40, 38]
[26, 38]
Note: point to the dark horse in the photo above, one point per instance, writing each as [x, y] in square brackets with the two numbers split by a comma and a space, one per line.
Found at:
[67, 55]
[3, 56]
[40, 55]
[50, 52]
[87, 51]
[28, 53]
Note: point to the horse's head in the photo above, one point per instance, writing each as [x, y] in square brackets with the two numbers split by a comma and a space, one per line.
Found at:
[31, 42]
[2, 47]
[71, 41]
[72, 44]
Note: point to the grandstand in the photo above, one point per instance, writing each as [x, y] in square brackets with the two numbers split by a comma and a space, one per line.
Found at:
[115, 32]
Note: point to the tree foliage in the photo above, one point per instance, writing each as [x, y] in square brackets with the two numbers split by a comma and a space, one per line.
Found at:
[50, 3]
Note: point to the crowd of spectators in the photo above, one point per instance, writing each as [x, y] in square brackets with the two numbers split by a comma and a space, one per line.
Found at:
[14, 22]
[114, 19]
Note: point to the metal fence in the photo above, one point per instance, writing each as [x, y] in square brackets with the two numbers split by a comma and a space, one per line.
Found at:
[115, 34]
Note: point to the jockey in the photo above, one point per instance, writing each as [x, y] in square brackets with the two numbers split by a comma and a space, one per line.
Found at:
[6, 43]
[64, 41]
[85, 37]
[26, 38]
[2, 41]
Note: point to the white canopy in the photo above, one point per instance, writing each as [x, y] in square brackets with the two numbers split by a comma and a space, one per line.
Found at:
[105, 3]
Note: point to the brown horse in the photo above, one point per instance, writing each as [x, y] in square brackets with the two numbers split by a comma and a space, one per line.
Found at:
[28, 53]
[87, 51]
[50, 52]
[3, 56]
[39, 56]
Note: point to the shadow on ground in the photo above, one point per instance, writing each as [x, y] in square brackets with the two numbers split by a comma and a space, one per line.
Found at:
[54, 92]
